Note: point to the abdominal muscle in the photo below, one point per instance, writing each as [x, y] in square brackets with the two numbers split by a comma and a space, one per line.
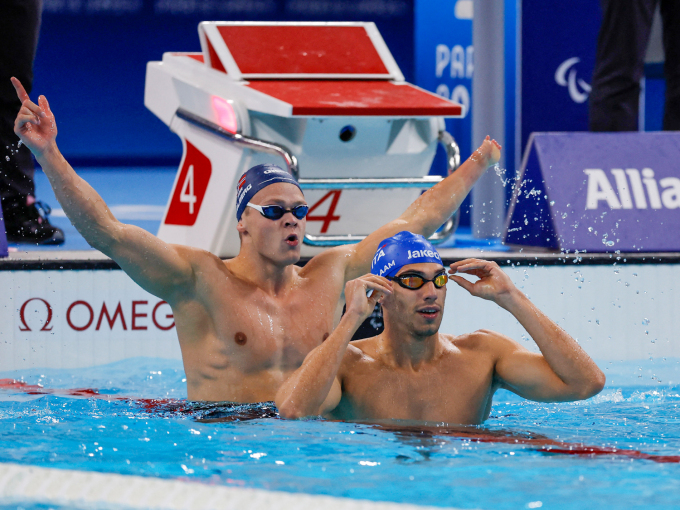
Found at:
[233, 385]
[217, 371]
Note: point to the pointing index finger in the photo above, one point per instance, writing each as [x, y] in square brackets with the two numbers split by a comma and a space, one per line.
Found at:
[25, 100]
[21, 91]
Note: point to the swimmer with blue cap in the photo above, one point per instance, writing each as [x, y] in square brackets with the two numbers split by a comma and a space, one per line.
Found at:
[411, 371]
[245, 324]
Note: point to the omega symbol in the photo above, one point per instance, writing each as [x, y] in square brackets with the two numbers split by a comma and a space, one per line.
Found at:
[22, 315]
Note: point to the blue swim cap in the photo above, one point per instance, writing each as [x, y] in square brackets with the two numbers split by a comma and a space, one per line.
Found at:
[401, 250]
[255, 179]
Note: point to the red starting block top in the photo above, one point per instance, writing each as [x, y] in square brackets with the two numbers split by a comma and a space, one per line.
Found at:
[298, 50]
[319, 69]
[356, 98]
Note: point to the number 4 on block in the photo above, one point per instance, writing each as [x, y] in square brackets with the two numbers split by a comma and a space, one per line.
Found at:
[334, 195]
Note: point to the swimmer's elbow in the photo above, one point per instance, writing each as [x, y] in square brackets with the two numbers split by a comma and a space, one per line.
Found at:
[593, 386]
[290, 411]
[599, 381]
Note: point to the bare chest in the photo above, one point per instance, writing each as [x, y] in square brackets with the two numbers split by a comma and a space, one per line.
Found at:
[449, 392]
[254, 331]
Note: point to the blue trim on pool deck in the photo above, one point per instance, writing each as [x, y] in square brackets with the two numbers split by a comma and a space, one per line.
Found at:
[138, 195]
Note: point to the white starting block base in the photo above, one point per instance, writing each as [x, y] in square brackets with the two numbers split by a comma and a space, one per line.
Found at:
[69, 310]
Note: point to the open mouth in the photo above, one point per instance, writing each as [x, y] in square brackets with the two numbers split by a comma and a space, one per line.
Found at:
[429, 313]
[292, 240]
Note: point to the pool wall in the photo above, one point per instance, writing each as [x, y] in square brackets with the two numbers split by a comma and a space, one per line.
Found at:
[65, 318]
[80, 318]
[625, 312]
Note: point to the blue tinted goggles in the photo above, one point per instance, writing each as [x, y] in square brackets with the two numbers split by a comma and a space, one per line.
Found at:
[275, 212]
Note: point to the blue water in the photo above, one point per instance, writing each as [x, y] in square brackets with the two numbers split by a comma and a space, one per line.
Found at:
[242, 446]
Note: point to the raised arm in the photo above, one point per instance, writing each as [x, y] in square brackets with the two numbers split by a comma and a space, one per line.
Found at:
[430, 210]
[563, 371]
[158, 267]
[315, 387]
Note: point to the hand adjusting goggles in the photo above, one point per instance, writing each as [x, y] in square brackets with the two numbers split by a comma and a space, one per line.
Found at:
[275, 212]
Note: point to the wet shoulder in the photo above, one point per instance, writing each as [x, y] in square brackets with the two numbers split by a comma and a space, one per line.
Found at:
[198, 257]
[483, 341]
[360, 352]
[331, 262]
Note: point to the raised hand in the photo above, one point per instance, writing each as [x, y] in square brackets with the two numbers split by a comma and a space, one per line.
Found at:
[489, 152]
[35, 125]
[355, 294]
[493, 283]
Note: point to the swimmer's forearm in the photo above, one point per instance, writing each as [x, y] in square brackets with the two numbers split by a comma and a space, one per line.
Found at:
[563, 354]
[306, 390]
[82, 204]
[155, 265]
[435, 206]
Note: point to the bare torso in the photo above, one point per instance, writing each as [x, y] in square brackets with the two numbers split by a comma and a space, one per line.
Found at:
[456, 387]
[238, 342]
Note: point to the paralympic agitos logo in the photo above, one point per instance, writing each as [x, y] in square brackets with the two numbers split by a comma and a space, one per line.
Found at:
[37, 314]
[565, 76]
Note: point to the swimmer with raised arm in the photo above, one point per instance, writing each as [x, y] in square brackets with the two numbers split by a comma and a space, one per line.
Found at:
[245, 324]
[411, 371]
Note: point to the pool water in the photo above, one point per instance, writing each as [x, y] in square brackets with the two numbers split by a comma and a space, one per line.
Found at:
[510, 462]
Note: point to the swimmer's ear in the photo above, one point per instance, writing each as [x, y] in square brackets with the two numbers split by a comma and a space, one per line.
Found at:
[241, 227]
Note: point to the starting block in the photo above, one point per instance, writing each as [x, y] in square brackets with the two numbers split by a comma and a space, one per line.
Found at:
[325, 100]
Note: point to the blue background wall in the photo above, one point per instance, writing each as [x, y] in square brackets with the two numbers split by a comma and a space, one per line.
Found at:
[92, 56]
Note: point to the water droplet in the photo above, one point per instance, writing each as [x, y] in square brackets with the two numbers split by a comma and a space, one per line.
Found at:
[645, 321]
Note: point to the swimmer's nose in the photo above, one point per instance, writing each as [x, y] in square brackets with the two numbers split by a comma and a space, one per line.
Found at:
[430, 291]
[291, 220]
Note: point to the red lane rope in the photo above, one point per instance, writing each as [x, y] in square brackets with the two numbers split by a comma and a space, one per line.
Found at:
[149, 404]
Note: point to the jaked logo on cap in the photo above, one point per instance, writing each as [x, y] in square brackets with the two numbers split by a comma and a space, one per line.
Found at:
[254, 180]
[415, 254]
[400, 250]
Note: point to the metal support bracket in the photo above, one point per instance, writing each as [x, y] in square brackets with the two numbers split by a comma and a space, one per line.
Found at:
[244, 141]
[426, 182]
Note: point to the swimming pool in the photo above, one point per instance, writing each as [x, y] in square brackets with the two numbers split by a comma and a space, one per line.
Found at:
[508, 463]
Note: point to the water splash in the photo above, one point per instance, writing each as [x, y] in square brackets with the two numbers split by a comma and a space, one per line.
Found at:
[500, 172]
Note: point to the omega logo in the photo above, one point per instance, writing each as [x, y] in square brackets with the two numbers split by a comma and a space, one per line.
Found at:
[81, 315]
[22, 315]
